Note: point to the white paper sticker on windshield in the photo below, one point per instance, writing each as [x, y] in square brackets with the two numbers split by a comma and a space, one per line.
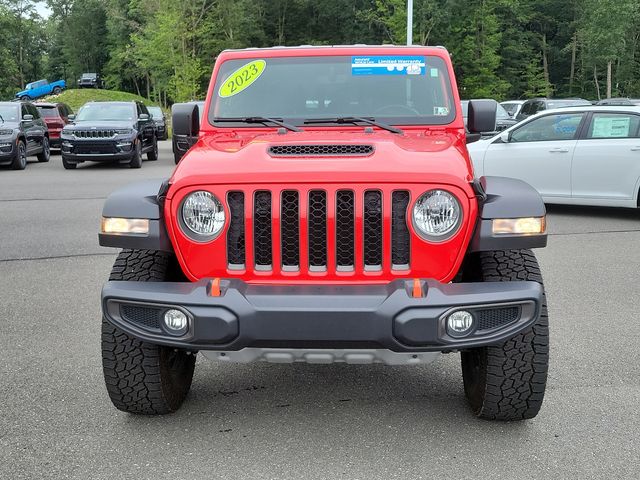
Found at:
[610, 127]
[434, 72]
[441, 111]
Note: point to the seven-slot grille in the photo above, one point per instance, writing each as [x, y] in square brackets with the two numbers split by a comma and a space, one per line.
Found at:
[318, 230]
[94, 133]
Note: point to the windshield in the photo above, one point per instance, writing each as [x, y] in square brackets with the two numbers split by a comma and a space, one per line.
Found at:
[89, 75]
[405, 90]
[8, 113]
[156, 112]
[105, 112]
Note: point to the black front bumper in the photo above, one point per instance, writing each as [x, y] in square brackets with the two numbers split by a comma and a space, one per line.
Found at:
[104, 151]
[312, 316]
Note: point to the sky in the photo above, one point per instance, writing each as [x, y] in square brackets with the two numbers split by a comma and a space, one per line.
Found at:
[43, 10]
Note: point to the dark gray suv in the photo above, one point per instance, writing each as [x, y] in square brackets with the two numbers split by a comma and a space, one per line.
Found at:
[23, 133]
[119, 132]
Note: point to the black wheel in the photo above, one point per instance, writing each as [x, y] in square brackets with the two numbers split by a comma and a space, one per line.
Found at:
[67, 164]
[136, 160]
[45, 155]
[507, 381]
[153, 153]
[141, 377]
[26, 98]
[57, 90]
[20, 158]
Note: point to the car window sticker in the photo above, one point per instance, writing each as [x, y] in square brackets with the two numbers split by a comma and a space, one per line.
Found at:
[242, 78]
[389, 65]
[611, 127]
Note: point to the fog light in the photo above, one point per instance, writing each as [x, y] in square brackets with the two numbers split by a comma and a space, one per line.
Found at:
[460, 323]
[176, 321]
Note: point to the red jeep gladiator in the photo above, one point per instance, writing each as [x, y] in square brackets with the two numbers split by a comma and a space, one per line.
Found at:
[327, 212]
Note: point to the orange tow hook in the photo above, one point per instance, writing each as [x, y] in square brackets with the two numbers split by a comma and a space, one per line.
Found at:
[214, 288]
[417, 288]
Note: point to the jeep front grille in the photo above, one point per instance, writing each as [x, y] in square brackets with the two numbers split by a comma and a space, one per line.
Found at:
[317, 230]
[94, 133]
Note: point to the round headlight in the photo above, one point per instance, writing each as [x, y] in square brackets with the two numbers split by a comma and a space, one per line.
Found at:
[437, 215]
[203, 215]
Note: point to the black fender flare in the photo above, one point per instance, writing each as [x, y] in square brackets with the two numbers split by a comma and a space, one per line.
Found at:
[143, 199]
[502, 197]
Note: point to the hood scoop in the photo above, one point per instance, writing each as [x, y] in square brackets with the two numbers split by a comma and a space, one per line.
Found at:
[320, 150]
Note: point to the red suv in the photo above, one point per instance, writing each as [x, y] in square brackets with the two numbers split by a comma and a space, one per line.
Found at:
[327, 212]
[56, 116]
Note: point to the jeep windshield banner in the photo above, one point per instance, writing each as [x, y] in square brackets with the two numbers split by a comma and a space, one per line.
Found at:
[401, 65]
[400, 89]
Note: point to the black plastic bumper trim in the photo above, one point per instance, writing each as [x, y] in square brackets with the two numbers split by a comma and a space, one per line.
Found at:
[384, 315]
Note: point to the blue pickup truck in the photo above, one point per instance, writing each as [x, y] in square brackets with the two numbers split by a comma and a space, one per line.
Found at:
[41, 88]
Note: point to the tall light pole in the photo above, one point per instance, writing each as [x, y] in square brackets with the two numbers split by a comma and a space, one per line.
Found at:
[409, 22]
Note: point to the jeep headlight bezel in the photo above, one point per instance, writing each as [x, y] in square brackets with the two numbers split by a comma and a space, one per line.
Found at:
[437, 215]
[201, 216]
[6, 132]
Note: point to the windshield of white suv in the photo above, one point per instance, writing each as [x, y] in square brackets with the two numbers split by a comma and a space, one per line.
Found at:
[401, 89]
[105, 112]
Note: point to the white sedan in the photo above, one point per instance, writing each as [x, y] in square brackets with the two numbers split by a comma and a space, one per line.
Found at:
[576, 155]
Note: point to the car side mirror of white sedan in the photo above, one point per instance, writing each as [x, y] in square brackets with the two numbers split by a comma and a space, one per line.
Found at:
[505, 137]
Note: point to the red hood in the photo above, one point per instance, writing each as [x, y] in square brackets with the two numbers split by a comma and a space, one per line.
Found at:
[431, 156]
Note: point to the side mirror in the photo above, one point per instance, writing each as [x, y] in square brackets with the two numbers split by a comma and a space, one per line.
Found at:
[143, 117]
[71, 117]
[27, 118]
[482, 116]
[505, 137]
[185, 119]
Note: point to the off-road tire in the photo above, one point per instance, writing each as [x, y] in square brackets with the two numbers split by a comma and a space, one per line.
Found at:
[57, 90]
[20, 159]
[153, 153]
[45, 155]
[141, 377]
[67, 164]
[136, 159]
[507, 381]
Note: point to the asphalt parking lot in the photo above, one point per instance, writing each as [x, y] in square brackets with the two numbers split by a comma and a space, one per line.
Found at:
[300, 421]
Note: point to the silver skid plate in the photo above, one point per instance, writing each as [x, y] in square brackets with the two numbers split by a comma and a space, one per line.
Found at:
[278, 355]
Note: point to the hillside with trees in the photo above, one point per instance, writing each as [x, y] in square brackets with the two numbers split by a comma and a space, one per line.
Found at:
[164, 49]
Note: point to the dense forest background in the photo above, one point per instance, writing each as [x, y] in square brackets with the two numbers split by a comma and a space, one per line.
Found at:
[165, 49]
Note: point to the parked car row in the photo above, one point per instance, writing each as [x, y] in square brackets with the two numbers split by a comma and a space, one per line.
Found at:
[119, 132]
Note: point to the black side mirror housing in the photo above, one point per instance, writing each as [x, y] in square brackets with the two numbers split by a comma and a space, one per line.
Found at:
[185, 119]
[482, 116]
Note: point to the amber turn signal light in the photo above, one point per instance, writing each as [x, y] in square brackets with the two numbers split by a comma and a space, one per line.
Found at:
[124, 226]
[519, 226]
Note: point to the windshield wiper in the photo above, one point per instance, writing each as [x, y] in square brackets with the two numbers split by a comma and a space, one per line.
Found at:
[2, 118]
[264, 120]
[368, 120]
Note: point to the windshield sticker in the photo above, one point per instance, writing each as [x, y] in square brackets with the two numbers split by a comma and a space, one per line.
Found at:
[398, 65]
[434, 72]
[242, 78]
[441, 111]
[609, 127]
